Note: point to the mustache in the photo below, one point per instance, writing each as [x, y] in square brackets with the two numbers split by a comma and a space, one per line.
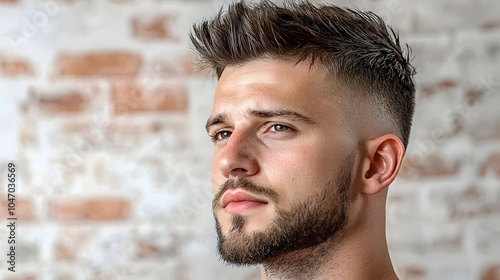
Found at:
[246, 185]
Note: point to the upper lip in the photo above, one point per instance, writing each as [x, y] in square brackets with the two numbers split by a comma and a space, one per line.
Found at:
[239, 196]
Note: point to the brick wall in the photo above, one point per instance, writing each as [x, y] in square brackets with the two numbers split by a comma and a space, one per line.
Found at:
[103, 114]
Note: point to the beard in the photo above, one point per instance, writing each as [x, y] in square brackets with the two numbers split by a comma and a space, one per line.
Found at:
[317, 219]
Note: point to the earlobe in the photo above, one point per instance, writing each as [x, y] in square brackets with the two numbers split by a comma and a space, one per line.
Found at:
[381, 163]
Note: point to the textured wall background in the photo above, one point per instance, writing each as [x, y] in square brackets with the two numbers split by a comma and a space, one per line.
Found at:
[103, 115]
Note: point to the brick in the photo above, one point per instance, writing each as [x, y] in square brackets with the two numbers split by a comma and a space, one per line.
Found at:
[424, 166]
[492, 273]
[14, 68]
[64, 253]
[61, 275]
[459, 15]
[491, 25]
[70, 243]
[23, 209]
[455, 203]
[152, 27]
[91, 209]
[127, 133]
[482, 123]
[412, 273]
[21, 277]
[133, 97]
[146, 250]
[435, 59]
[65, 103]
[401, 206]
[475, 96]
[438, 87]
[77, 126]
[8, 2]
[472, 202]
[489, 130]
[106, 64]
[179, 66]
[491, 165]
[157, 243]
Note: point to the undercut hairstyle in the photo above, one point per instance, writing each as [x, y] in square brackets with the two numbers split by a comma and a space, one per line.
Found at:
[358, 48]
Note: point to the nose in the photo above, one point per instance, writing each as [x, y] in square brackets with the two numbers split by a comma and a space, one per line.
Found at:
[238, 157]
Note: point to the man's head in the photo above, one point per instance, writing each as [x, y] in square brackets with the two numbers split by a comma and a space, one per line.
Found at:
[310, 122]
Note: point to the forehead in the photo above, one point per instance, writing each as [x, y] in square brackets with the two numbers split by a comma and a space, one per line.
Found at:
[269, 83]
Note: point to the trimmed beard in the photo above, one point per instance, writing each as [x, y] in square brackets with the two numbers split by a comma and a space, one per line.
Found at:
[319, 218]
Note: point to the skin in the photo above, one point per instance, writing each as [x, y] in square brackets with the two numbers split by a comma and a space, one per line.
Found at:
[296, 156]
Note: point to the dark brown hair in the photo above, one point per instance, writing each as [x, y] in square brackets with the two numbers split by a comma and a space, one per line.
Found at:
[357, 47]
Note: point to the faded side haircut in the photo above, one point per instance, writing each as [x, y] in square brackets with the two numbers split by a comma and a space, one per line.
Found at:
[356, 47]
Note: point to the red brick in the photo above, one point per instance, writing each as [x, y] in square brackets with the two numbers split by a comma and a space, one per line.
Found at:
[23, 209]
[77, 126]
[66, 103]
[491, 25]
[14, 68]
[64, 253]
[429, 166]
[151, 28]
[474, 96]
[8, 2]
[491, 165]
[91, 209]
[131, 97]
[440, 86]
[107, 64]
[146, 249]
[492, 273]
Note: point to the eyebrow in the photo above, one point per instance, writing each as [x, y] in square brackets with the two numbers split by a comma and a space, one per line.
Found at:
[287, 114]
[217, 119]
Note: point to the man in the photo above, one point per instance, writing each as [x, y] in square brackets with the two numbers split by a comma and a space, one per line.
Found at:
[310, 122]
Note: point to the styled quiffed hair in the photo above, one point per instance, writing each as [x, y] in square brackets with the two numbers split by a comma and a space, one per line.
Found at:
[356, 47]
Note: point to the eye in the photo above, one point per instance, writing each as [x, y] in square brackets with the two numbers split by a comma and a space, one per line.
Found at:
[220, 135]
[280, 128]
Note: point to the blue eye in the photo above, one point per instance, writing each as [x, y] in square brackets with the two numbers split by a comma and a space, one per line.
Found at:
[220, 135]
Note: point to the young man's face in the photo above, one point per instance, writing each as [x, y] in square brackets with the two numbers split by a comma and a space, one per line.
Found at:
[283, 161]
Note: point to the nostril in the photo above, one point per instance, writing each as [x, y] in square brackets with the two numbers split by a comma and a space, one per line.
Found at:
[239, 171]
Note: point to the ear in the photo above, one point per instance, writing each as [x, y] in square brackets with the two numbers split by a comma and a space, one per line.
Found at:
[381, 163]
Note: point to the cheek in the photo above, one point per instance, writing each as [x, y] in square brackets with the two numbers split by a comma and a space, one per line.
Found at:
[310, 166]
[299, 172]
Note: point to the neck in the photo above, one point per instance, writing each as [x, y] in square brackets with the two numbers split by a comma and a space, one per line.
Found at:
[358, 254]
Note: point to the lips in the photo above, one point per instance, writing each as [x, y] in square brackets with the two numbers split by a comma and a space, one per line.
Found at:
[240, 196]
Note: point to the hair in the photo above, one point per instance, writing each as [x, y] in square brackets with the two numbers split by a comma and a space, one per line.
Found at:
[357, 47]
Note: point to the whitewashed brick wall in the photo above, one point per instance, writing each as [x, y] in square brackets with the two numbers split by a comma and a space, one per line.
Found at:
[103, 114]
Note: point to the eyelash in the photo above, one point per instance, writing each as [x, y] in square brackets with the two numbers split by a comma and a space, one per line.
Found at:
[216, 134]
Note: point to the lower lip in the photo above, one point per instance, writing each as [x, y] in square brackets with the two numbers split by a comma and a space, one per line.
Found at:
[243, 206]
